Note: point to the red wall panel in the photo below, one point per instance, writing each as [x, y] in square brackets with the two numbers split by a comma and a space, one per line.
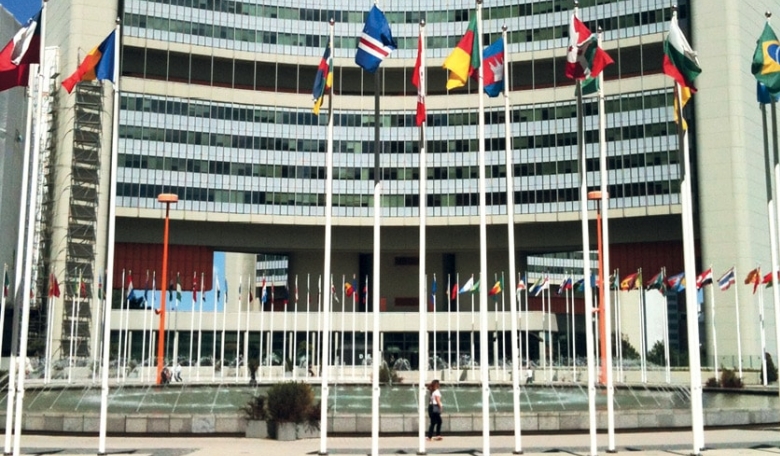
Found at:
[182, 259]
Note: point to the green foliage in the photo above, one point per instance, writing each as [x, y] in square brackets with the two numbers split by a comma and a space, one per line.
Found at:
[255, 409]
[771, 369]
[711, 383]
[387, 375]
[730, 379]
[656, 354]
[629, 352]
[292, 402]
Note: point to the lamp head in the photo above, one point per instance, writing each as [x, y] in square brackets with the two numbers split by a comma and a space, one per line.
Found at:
[170, 198]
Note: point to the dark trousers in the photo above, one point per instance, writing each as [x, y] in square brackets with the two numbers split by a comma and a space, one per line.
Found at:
[435, 422]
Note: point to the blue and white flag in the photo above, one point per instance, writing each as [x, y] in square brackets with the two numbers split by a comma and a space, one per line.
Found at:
[376, 42]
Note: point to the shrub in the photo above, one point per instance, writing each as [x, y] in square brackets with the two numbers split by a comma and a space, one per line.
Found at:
[292, 402]
[387, 375]
[712, 383]
[255, 409]
[730, 379]
[771, 369]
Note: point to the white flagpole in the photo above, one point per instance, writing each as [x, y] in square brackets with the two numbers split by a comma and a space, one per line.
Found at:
[714, 332]
[28, 163]
[151, 323]
[222, 340]
[238, 325]
[121, 313]
[261, 345]
[49, 313]
[308, 305]
[270, 342]
[214, 330]
[200, 327]
[527, 345]
[697, 412]
[326, 269]
[457, 325]
[739, 333]
[110, 248]
[586, 269]
[250, 297]
[364, 298]
[449, 324]
[606, 305]
[642, 334]
[483, 276]
[763, 332]
[94, 339]
[549, 330]
[422, 191]
[342, 340]
[294, 351]
[143, 332]
[284, 337]
[619, 324]
[73, 306]
[774, 221]
[192, 324]
[570, 331]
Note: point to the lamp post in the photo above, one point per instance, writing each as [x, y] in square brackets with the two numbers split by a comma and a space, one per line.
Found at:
[167, 199]
[596, 196]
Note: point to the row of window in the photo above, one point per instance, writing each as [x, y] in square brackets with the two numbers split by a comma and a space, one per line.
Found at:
[523, 197]
[551, 168]
[235, 141]
[247, 113]
[358, 17]
[275, 37]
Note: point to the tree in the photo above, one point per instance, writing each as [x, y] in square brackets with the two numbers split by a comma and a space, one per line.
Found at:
[656, 354]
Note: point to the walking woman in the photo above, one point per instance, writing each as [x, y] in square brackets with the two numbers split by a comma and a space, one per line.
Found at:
[434, 411]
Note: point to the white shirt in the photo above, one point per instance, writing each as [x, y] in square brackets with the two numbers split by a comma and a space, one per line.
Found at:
[434, 395]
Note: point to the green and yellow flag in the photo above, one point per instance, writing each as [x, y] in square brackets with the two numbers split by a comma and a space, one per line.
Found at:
[766, 60]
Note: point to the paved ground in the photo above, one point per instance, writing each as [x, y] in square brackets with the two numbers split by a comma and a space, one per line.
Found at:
[753, 441]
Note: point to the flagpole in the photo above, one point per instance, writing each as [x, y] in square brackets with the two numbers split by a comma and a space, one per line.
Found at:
[666, 333]
[619, 325]
[642, 330]
[308, 301]
[151, 322]
[606, 317]
[483, 301]
[457, 326]
[76, 297]
[774, 233]
[423, 298]
[326, 269]
[24, 212]
[293, 349]
[192, 323]
[214, 328]
[763, 333]
[714, 337]
[739, 333]
[200, 328]
[690, 291]
[260, 347]
[49, 314]
[250, 297]
[222, 339]
[110, 249]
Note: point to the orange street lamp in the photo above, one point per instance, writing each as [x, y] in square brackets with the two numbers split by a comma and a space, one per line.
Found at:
[596, 196]
[167, 199]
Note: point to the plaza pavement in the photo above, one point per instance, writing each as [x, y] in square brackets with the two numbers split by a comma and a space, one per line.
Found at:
[747, 441]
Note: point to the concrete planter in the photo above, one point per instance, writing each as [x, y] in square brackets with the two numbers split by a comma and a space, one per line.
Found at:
[256, 429]
[285, 432]
[307, 432]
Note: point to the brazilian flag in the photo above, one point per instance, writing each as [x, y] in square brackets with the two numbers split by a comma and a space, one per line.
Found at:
[766, 60]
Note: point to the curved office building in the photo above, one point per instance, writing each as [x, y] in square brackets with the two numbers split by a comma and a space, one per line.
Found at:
[216, 107]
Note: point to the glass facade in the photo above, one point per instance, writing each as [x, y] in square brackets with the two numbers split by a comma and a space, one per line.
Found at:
[255, 157]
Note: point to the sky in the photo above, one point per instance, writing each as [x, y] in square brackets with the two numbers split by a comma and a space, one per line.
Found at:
[22, 9]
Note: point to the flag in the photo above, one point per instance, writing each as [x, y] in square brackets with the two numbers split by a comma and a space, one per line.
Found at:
[194, 287]
[23, 49]
[83, 289]
[475, 288]
[703, 279]
[657, 283]
[493, 56]
[434, 288]
[97, 65]
[676, 282]
[566, 284]
[467, 287]
[100, 287]
[727, 280]
[376, 41]
[763, 96]
[767, 280]
[754, 277]
[584, 59]
[766, 60]
[323, 81]
[349, 289]
[685, 95]
[54, 287]
[263, 292]
[589, 86]
[454, 292]
[496, 289]
[129, 285]
[333, 292]
[464, 59]
[418, 79]
[6, 284]
[540, 285]
[631, 282]
[178, 287]
[614, 281]
[680, 61]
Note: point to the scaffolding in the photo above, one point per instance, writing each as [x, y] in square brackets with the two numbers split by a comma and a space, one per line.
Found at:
[82, 221]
